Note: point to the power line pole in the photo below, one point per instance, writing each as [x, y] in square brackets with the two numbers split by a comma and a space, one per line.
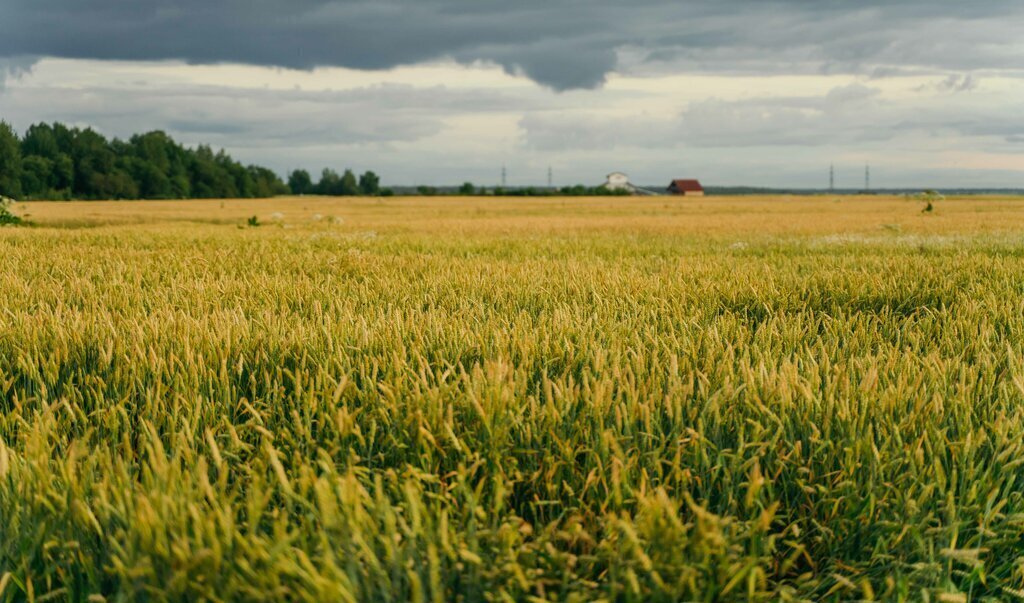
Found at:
[867, 177]
[503, 174]
[832, 178]
[550, 179]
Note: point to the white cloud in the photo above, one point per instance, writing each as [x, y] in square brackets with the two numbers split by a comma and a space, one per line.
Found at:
[445, 123]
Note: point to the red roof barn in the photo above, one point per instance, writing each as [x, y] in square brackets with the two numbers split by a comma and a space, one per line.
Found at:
[690, 188]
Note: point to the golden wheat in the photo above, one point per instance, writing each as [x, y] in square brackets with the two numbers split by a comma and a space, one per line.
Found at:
[480, 399]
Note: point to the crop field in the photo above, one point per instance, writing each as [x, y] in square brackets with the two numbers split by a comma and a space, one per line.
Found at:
[442, 399]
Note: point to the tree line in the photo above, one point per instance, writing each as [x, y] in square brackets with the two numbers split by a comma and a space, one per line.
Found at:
[54, 161]
[468, 188]
[331, 183]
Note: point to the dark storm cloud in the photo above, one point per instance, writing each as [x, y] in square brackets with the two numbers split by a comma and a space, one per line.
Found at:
[563, 44]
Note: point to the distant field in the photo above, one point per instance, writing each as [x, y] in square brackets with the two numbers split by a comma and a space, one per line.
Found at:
[709, 216]
[438, 399]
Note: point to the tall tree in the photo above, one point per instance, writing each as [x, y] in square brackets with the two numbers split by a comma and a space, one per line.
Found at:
[266, 183]
[10, 161]
[330, 183]
[94, 162]
[63, 174]
[349, 184]
[369, 183]
[37, 175]
[300, 183]
[41, 140]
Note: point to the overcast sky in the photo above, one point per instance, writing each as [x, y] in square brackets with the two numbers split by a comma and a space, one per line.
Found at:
[752, 92]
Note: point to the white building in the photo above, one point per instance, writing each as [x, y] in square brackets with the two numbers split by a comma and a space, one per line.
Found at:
[617, 181]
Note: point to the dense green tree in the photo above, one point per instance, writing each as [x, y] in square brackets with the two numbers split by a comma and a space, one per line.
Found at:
[467, 188]
[266, 183]
[115, 184]
[209, 178]
[345, 184]
[65, 137]
[10, 162]
[63, 174]
[299, 182]
[163, 171]
[41, 140]
[242, 184]
[54, 161]
[349, 184]
[156, 149]
[330, 183]
[94, 162]
[153, 183]
[369, 183]
[37, 176]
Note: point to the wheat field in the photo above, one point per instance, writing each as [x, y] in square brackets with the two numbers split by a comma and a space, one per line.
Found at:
[440, 399]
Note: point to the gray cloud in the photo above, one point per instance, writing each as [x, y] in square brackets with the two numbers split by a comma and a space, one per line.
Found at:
[957, 83]
[847, 114]
[846, 117]
[14, 67]
[262, 117]
[562, 131]
[851, 115]
[562, 44]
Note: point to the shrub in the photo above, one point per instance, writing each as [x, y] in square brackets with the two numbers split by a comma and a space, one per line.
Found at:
[6, 216]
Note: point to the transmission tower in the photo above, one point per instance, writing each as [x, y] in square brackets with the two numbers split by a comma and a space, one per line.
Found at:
[503, 174]
[867, 177]
[550, 179]
[832, 178]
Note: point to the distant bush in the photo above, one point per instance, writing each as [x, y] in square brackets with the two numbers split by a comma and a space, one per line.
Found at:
[468, 189]
[578, 190]
[6, 216]
[930, 198]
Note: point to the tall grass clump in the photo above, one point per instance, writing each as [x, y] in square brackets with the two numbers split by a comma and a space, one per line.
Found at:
[438, 413]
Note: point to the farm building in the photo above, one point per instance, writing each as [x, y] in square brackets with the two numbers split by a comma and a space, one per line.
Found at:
[617, 181]
[689, 188]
